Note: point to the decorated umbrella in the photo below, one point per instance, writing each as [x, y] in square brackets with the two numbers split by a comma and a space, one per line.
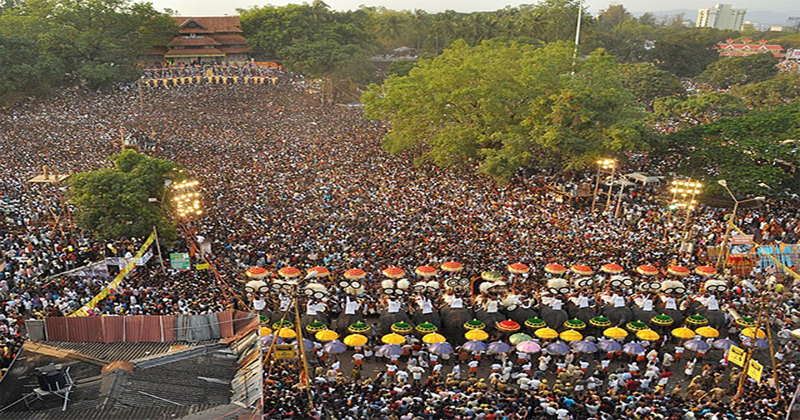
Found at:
[425, 271]
[289, 272]
[615, 333]
[600, 322]
[571, 335]
[474, 345]
[441, 348]
[394, 272]
[683, 333]
[535, 323]
[546, 333]
[355, 340]
[518, 268]
[491, 276]
[264, 331]
[426, 328]
[705, 270]
[723, 343]
[528, 347]
[697, 320]
[308, 345]
[519, 338]
[402, 327]
[609, 346]
[267, 340]
[574, 324]
[662, 320]
[497, 347]
[582, 270]
[253, 286]
[647, 270]
[757, 343]
[433, 338]
[287, 333]
[612, 268]
[557, 348]
[584, 346]
[647, 335]
[796, 333]
[359, 328]
[508, 326]
[746, 321]
[326, 335]
[393, 338]
[474, 324]
[355, 274]
[677, 270]
[452, 266]
[282, 324]
[632, 348]
[707, 332]
[753, 333]
[315, 326]
[321, 271]
[636, 326]
[389, 350]
[476, 335]
[554, 268]
[256, 272]
[697, 344]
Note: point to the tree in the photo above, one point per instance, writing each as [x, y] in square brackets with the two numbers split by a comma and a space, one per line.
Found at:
[25, 70]
[501, 106]
[783, 89]
[400, 68]
[688, 51]
[735, 71]
[613, 16]
[700, 108]
[648, 83]
[115, 202]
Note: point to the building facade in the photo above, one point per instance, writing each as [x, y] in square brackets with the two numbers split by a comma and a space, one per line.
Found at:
[733, 48]
[204, 40]
[721, 16]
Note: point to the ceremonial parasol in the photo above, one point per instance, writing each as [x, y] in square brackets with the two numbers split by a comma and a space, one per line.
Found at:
[267, 340]
[355, 340]
[677, 270]
[609, 346]
[696, 344]
[394, 272]
[746, 321]
[289, 272]
[632, 348]
[474, 345]
[441, 348]
[753, 333]
[402, 327]
[264, 331]
[535, 323]
[508, 326]
[612, 268]
[723, 343]
[519, 338]
[600, 322]
[308, 345]
[581, 270]
[528, 347]
[425, 271]
[282, 324]
[326, 335]
[474, 324]
[426, 327]
[615, 332]
[389, 350]
[697, 320]
[433, 338]
[636, 326]
[358, 328]
[491, 276]
[452, 266]
[558, 348]
[393, 338]
[315, 326]
[497, 347]
[647, 270]
[320, 271]
[707, 332]
[286, 333]
[647, 335]
[796, 333]
[705, 270]
[683, 333]
[662, 320]
[546, 333]
[518, 268]
[584, 346]
[355, 274]
[554, 268]
[257, 272]
[476, 335]
[574, 324]
[334, 347]
[571, 335]
[757, 343]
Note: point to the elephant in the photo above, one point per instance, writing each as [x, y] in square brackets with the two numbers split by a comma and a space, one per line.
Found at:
[618, 315]
[716, 318]
[432, 317]
[584, 314]
[554, 318]
[521, 314]
[453, 320]
[387, 319]
[489, 318]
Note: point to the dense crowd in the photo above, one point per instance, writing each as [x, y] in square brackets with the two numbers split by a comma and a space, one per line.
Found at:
[290, 182]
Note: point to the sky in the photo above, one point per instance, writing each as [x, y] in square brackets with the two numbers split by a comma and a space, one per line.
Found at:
[219, 8]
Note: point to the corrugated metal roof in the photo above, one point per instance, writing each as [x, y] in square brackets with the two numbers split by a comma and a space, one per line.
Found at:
[133, 413]
[111, 352]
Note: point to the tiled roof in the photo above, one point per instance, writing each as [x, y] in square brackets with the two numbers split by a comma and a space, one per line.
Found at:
[183, 42]
[233, 39]
[234, 50]
[131, 413]
[230, 24]
[193, 52]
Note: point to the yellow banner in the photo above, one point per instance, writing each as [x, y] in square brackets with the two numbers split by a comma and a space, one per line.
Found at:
[736, 355]
[84, 310]
[755, 370]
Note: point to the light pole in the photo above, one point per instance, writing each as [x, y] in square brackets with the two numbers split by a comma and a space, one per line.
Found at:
[610, 187]
[602, 164]
[723, 253]
[683, 195]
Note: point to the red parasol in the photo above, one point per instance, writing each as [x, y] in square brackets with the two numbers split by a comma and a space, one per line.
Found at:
[705, 270]
[612, 268]
[677, 270]
[554, 268]
[394, 272]
[321, 271]
[518, 268]
[257, 272]
[289, 272]
[425, 271]
[452, 266]
[508, 326]
[647, 270]
[354, 274]
[583, 270]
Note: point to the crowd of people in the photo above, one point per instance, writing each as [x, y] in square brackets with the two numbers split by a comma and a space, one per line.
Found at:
[287, 181]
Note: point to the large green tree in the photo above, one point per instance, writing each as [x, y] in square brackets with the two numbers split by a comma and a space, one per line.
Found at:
[501, 106]
[26, 70]
[783, 89]
[736, 71]
[687, 52]
[116, 202]
[648, 82]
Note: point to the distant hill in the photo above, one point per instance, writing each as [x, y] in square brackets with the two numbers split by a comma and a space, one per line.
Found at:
[758, 16]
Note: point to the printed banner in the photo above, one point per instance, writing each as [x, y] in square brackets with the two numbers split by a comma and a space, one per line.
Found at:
[736, 355]
[755, 370]
[180, 261]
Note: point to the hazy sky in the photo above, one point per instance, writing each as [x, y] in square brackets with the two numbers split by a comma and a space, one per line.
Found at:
[219, 7]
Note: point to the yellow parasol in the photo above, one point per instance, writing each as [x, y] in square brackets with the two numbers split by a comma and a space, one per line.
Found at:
[434, 338]
[707, 332]
[393, 339]
[355, 340]
[478, 335]
[648, 335]
[683, 333]
[326, 335]
[615, 332]
[753, 333]
[571, 335]
[286, 333]
[265, 331]
[546, 333]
